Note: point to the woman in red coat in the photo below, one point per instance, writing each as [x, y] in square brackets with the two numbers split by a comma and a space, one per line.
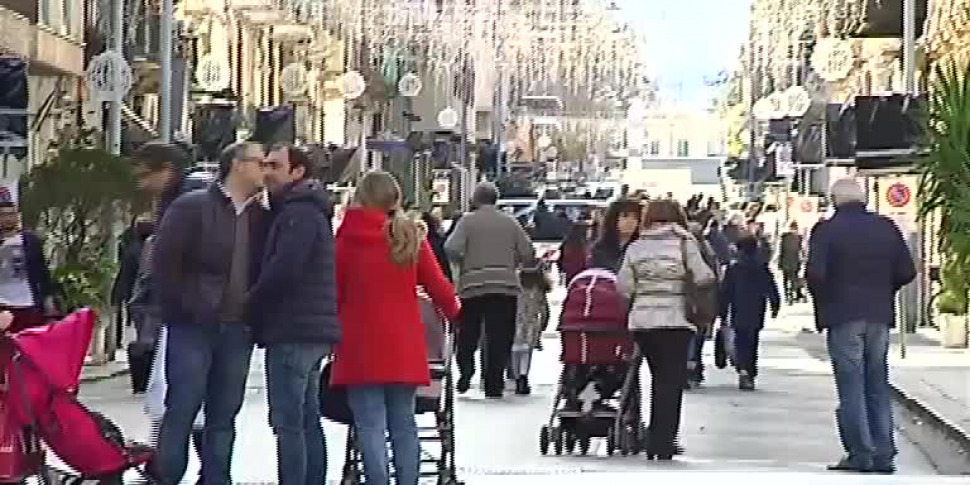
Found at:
[382, 256]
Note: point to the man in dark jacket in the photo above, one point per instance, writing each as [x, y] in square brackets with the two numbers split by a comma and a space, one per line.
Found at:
[26, 287]
[790, 263]
[202, 269]
[295, 299]
[857, 263]
[160, 172]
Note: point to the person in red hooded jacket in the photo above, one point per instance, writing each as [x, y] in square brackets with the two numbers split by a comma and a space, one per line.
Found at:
[574, 251]
[382, 257]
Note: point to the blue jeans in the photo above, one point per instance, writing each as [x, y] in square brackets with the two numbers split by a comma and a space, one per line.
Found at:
[859, 352]
[380, 410]
[293, 387]
[695, 356]
[203, 363]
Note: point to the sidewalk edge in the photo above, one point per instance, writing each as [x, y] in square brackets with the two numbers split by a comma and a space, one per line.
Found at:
[919, 408]
[953, 432]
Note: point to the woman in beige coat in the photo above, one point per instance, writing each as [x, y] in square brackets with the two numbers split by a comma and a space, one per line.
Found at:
[652, 275]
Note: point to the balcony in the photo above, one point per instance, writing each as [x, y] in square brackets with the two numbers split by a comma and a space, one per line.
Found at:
[17, 32]
[26, 8]
[56, 54]
[49, 53]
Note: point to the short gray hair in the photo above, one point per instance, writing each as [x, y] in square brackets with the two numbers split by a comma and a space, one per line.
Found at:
[486, 193]
[847, 190]
[232, 153]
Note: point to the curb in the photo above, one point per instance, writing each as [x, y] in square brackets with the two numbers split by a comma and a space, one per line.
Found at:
[959, 436]
[104, 377]
[953, 432]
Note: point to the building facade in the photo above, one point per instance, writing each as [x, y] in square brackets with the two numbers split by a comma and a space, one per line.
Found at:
[48, 35]
[667, 133]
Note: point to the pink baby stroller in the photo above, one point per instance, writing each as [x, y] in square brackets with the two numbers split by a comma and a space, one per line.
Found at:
[598, 360]
[40, 372]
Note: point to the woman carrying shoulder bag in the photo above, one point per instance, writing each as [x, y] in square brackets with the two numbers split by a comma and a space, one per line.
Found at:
[660, 273]
[382, 256]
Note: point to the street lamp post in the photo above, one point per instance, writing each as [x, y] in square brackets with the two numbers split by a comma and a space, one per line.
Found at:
[165, 64]
[909, 45]
[117, 45]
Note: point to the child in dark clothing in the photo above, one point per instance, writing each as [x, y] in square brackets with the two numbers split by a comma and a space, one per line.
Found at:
[747, 290]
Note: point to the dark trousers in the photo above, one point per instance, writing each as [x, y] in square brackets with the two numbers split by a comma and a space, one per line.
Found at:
[746, 340]
[496, 315]
[793, 286]
[666, 352]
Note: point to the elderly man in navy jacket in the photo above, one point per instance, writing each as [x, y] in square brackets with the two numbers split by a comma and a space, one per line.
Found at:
[857, 263]
[295, 303]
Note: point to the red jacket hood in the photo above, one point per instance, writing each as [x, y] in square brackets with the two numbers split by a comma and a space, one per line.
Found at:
[364, 225]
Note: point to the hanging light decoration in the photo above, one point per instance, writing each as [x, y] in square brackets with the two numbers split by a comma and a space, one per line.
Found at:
[563, 48]
[352, 85]
[294, 79]
[833, 59]
[448, 118]
[410, 85]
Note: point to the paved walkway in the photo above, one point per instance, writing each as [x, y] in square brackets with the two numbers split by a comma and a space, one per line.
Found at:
[787, 426]
[930, 377]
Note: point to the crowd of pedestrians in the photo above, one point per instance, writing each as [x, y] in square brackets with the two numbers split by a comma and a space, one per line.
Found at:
[856, 263]
[251, 259]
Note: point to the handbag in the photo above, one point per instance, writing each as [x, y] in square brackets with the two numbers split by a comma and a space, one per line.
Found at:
[333, 400]
[701, 306]
[724, 346]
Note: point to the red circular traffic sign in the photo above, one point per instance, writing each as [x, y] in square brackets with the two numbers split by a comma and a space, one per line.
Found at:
[898, 195]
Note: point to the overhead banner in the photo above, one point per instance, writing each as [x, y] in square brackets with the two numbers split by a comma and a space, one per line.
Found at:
[13, 108]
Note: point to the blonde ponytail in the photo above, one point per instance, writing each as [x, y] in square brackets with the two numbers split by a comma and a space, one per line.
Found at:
[405, 234]
[379, 190]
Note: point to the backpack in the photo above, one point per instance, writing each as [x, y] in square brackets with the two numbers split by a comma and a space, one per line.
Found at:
[593, 302]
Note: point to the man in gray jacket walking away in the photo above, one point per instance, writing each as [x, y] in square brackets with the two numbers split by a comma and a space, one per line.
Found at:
[489, 246]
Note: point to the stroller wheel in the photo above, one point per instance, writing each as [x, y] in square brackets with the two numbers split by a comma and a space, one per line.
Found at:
[643, 437]
[558, 440]
[626, 441]
[610, 442]
[544, 438]
[571, 440]
[584, 444]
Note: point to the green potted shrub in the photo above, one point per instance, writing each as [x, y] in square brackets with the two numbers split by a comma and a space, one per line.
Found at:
[75, 200]
[945, 190]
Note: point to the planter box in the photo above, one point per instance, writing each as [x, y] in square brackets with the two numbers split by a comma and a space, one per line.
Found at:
[953, 330]
[103, 349]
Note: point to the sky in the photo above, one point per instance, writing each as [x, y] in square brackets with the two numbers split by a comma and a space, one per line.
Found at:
[688, 41]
